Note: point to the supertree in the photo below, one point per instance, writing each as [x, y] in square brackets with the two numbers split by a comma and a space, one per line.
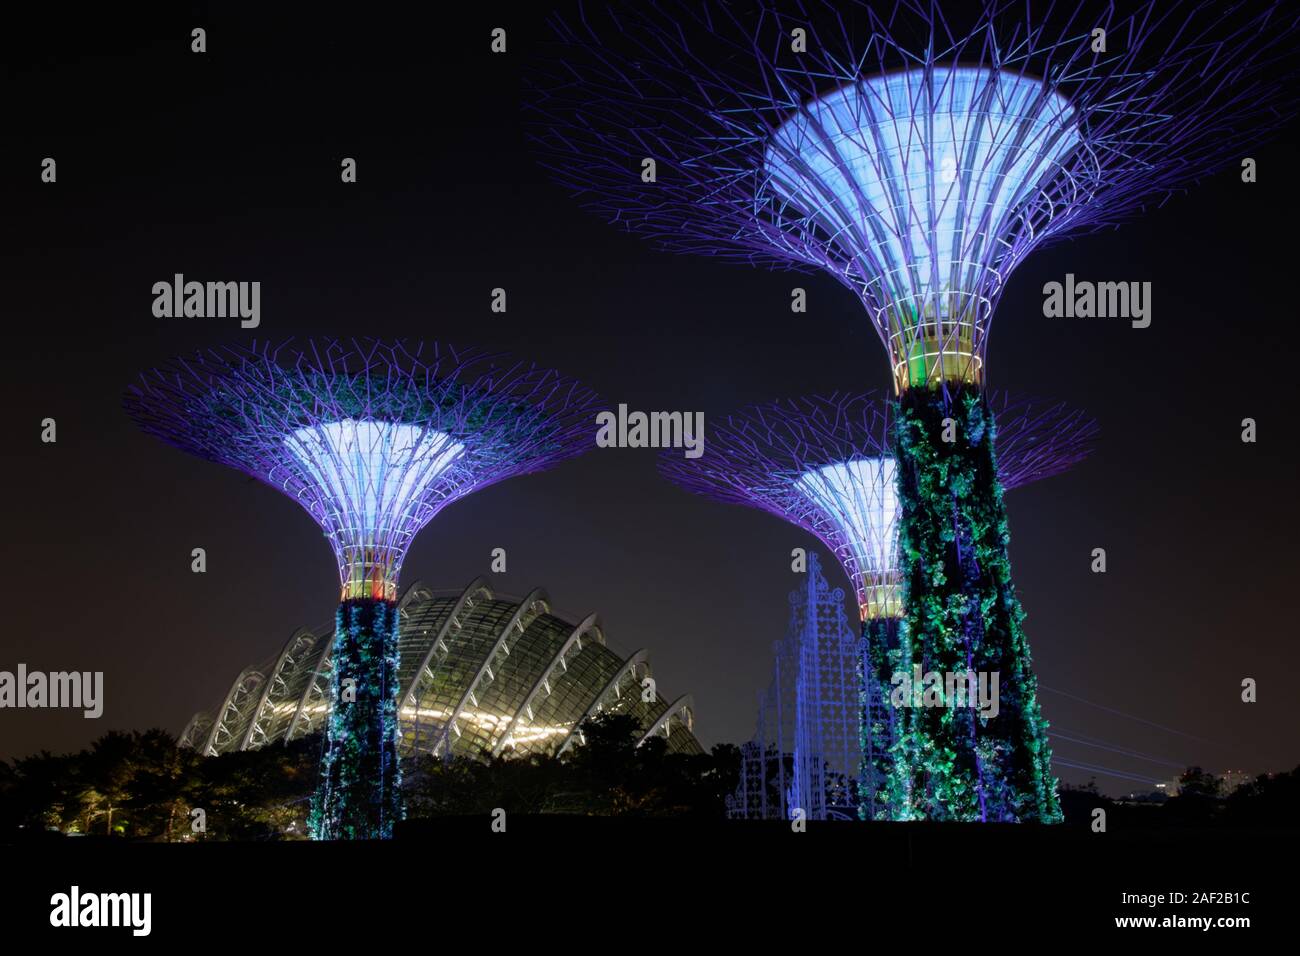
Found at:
[917, 159]
[827, 464]
[373, 439]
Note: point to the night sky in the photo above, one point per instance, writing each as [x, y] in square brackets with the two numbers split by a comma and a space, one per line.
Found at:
[225, 166]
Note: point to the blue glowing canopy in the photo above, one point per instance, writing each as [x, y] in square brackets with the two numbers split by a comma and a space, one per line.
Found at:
[369, 485]
[855, 505]
[919, 178]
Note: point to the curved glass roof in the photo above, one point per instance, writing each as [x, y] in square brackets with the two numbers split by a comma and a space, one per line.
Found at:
[479, 675]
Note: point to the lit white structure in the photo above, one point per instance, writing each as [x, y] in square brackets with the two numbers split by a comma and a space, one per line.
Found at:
[369, 485]
[858, 503]
[928, 185]
[481, 675]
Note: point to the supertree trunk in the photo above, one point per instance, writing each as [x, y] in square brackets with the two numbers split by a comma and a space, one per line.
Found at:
[359, 796]
[373, 439]
[962, 615]
[885, 783]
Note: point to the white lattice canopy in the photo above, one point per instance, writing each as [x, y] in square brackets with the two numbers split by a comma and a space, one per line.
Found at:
[827, 464]
[853, 506]
[924, 185]
[372, 438]
[368, 485]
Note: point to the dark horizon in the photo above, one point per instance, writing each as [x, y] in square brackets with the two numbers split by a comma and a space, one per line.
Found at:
[225, 166]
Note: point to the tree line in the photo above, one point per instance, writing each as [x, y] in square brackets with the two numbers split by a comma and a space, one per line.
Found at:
[142, 786]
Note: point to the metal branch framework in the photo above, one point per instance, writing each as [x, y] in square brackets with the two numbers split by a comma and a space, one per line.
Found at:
[914, 157]
[826, 464]
[372, 438]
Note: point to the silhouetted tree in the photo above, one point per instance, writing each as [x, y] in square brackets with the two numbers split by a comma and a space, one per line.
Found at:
[1271, 800]
[1198, 802]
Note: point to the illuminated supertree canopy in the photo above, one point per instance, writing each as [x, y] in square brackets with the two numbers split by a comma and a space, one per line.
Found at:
[373, 439]
[827, 465]
[917, 157]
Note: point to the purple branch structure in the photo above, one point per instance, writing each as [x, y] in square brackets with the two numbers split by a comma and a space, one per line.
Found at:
[373, 439]
[916, 157]
[827, 464]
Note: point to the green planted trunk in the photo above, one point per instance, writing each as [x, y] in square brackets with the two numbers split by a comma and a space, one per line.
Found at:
[359, 796]
[885, 783]
[961, 614]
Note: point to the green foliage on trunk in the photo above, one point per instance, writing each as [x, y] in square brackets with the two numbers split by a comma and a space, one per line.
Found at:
[885, 782]
[359, 797]
[962, 614]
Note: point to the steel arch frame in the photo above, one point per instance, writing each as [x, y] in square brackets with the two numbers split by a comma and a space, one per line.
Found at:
[535, 598]
[682, 705]
[220, 717]
[295, 640]
[425, 671]
[640, 656]
[591, 623]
